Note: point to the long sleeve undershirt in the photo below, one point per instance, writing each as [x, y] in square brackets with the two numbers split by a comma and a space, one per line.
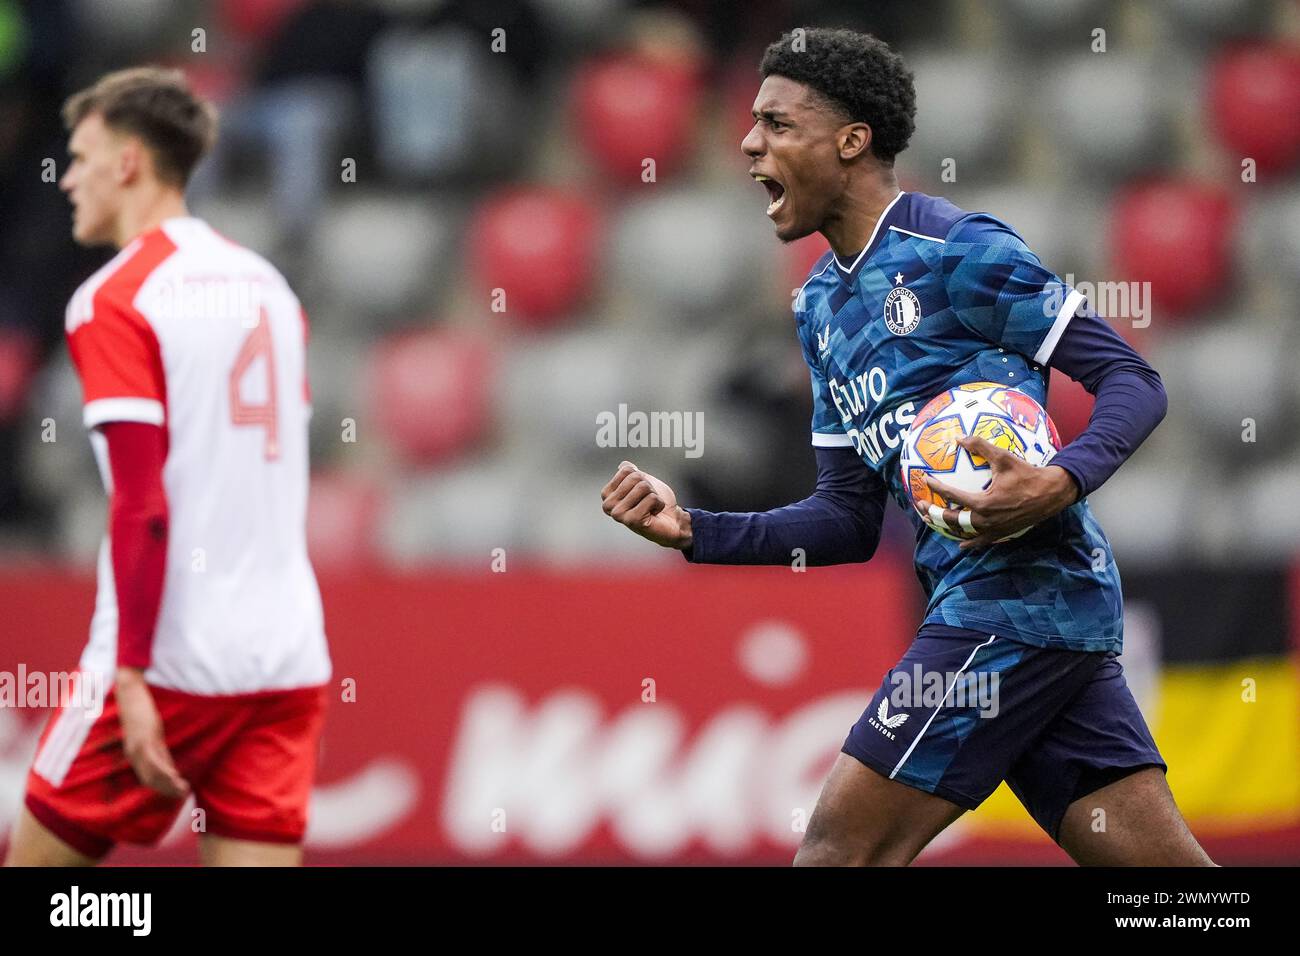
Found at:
[138, 518]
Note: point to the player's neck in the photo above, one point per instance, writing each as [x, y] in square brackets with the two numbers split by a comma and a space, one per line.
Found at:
[147, 214]
[860, 208]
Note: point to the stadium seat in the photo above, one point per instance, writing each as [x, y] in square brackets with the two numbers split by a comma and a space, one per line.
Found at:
[568, 527]
[1144, 509]
[629, 108]
[59, 467]
[1039, 16]
[1266, 393]
[17, 363]
[739, 87]
[553, 388]
[801, 255]
[1177, 235]
[428, 393]
[213, 79]
[255, 20]
[342, 514]
[1254, 104]
[1106, 110]
[458, 515]
[539, 245]
[690, 252]
[1269, 251]
[1037, 214]
[380, 253]
[65, 470]
[1267, 495]
[963, 106]
[1218, 16]
[335, 363]
[247, 217]
[582, 21]
[1069, 405]
[107, 26]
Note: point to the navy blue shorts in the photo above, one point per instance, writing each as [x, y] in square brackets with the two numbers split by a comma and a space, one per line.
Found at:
[964, 710]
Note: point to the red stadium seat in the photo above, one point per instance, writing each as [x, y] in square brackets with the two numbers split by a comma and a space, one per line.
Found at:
[1177, 235]
[538, 245]
[257, 19]
[1254, 104]
[1069, 405]
[218, 82]
[739, 89]
[629, 108]
[342, 517]
[429, 393]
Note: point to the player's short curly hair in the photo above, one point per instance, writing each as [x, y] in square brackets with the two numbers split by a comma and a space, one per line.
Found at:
[858, 74]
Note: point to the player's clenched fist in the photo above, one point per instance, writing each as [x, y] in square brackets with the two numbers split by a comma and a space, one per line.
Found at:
[647, 506]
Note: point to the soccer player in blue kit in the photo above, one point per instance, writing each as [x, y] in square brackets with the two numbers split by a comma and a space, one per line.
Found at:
[915, 297]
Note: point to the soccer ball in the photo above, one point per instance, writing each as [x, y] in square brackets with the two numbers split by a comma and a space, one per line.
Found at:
[1005, 417]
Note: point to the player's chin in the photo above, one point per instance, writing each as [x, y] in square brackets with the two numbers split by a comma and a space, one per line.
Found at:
[789, 229]
[99, 236]
[82, 231]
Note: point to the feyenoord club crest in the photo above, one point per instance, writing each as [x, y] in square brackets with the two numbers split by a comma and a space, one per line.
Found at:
[902, 310]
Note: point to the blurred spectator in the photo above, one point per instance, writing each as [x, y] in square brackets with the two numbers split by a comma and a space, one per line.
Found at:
[304, 101]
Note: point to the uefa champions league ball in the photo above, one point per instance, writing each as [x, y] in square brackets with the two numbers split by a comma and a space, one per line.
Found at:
[1005, 417]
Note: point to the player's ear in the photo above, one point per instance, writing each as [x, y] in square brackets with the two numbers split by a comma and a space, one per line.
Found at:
[854, 140]
[130, 160]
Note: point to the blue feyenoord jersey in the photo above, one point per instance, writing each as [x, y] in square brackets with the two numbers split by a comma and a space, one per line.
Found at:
[939, 298]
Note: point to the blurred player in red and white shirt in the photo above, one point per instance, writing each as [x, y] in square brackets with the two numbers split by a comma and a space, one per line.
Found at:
[207, 625]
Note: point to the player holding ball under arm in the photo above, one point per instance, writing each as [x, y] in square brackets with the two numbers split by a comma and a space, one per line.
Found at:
[916, 297]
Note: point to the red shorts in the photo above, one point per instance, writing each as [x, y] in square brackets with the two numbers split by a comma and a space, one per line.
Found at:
[249, 759]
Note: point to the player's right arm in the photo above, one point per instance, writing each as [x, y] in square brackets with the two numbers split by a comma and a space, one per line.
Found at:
[839, 523]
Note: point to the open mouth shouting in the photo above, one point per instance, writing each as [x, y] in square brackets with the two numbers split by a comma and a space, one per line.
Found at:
[775, 192]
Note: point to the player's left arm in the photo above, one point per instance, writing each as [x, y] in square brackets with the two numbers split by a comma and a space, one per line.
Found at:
[1130, 399]
[1001, 291]
[138, 516]
[138, 532]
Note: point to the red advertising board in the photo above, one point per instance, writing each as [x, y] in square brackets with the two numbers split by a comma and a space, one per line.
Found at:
[533, 716]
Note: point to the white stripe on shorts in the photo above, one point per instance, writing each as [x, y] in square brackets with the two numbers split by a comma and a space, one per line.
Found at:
[71, 727]
[955, 679]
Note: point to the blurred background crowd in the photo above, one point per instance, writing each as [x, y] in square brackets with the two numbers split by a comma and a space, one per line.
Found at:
[459, 192]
